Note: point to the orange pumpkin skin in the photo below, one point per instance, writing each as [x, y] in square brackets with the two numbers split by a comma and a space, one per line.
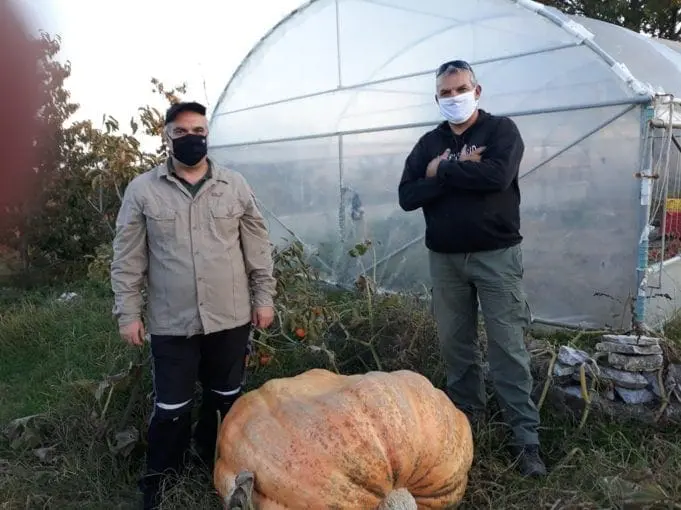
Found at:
[323, 440]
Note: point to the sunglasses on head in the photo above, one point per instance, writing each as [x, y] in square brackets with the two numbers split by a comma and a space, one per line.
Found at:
[456, 64]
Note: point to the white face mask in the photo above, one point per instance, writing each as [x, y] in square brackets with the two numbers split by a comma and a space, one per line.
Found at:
[458, 109]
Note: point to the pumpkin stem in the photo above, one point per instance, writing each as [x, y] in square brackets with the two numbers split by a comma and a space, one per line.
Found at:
[399, 499]
[242, 497]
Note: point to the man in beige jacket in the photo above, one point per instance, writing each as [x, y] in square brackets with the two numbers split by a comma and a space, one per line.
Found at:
[189, 231]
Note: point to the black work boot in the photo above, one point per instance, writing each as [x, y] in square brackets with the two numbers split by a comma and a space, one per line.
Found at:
[207, 427]
[150, 485]
[168, 440]
[529, 461]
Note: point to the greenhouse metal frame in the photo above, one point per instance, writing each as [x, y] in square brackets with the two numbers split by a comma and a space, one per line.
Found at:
[321, 114]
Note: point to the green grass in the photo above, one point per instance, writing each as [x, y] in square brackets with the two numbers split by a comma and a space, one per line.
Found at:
[49, 349]
[46, 346]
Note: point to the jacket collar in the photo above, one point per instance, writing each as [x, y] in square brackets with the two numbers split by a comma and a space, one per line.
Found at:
[215, 171]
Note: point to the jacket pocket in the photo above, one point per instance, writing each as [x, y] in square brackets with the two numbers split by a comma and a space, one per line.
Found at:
[225, 218]
[161, 222]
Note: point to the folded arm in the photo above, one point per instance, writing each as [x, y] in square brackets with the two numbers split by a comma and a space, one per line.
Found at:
[497, 168]
[130, 259]
[415, 190]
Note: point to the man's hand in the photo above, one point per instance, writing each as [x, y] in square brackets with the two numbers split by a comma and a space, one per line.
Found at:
[263, 316]
[133, 333]
[431, 169]
[473, 156]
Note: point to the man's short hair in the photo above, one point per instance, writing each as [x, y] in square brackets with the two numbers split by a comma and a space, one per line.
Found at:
[455, 66]
[186, 106]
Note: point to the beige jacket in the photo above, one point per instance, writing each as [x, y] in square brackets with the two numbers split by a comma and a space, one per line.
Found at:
[204, 261]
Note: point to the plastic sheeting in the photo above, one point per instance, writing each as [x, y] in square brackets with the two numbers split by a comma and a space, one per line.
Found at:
[650, 60]
[322, 113]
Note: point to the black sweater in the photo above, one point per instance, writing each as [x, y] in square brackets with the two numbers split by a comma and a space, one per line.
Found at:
[468, 206]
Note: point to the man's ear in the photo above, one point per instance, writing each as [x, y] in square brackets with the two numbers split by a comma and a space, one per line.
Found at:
[437, 99]
[478, 92]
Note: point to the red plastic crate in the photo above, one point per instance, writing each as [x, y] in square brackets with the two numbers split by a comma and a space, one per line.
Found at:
[673, 223]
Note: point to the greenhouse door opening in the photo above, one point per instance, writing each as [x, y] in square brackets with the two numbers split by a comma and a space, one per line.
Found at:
[663, 152]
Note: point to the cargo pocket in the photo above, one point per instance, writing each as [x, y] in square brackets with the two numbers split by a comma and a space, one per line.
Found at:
[523, 307]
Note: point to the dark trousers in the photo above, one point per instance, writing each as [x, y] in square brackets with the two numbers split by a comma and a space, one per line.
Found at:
[217, 360]
[494, 279]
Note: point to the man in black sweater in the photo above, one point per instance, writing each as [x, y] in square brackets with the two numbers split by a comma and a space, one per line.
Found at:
[464, 176]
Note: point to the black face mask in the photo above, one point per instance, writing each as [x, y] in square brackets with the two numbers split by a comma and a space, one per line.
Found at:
[190, 149]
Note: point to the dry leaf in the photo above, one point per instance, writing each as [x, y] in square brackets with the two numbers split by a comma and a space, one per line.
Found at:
[46, 454]
[22, 433]
[124, 441]
[626, 492]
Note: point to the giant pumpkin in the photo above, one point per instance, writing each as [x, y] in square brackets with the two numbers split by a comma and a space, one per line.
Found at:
[320, 440]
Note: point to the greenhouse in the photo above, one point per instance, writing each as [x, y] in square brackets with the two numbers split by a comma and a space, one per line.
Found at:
[322, 113]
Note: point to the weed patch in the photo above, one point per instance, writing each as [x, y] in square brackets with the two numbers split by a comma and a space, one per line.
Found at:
[64, 362]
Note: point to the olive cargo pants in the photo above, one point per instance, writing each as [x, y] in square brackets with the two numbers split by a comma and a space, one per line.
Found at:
[495, 279]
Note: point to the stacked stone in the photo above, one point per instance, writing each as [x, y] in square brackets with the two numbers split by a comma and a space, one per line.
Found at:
[630, 363]
[633, 364]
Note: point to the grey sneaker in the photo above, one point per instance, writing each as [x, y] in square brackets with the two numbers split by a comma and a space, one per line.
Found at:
[529, 461]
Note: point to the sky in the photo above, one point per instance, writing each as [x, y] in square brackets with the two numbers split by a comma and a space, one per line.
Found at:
[116, 47]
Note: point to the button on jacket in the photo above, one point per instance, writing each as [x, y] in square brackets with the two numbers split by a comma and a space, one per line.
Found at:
[203, 253]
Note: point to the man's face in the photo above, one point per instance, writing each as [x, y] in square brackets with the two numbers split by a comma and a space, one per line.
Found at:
[453, 84]
[187, 123]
